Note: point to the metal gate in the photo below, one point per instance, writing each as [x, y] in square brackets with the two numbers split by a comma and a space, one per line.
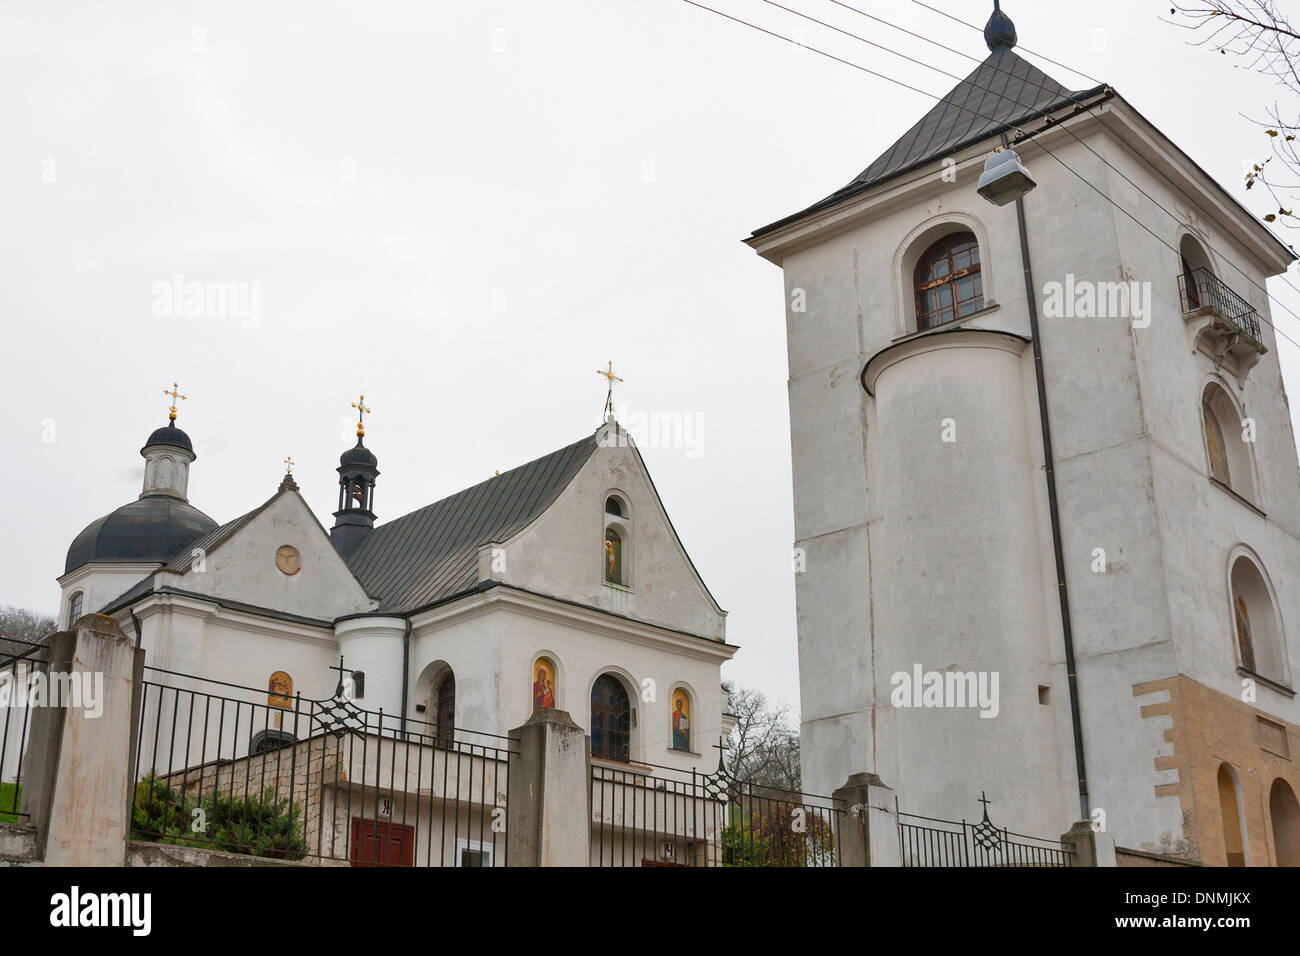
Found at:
[927, 841]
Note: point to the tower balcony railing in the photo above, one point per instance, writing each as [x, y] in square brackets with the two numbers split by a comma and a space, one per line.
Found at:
[1202, 289]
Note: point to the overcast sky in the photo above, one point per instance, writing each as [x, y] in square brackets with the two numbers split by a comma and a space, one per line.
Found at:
[464, 209]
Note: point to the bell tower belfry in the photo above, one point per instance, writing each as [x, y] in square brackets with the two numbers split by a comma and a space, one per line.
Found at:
[358, 469]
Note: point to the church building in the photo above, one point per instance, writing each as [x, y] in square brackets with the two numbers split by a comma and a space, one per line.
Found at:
[558, 584]
[1045, 480]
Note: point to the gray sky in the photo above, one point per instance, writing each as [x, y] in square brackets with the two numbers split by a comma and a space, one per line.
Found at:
[464, 209]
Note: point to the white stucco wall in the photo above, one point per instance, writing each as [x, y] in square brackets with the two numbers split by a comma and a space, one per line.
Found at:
[491, 642]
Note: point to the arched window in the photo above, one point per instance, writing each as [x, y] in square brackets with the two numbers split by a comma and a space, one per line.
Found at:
[265, 741]
[1258, 633]
[613, 556]
[1196, 273]
[444, 710]
[616, 548]
[1233, 822]
[1284, 811]
[1214, 442]
[1226, 450]
[611, 719]
[947, 281]
[74, 608]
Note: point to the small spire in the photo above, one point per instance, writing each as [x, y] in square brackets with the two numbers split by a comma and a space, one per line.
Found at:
[362, 411]
[175, 393]
[999, 32]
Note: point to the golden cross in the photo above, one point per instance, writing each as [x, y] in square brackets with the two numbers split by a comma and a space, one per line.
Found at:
[362, 411]
[175, 393]
[608, 373]
[288, 465]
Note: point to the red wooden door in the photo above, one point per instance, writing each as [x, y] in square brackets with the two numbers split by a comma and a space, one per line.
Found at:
[380, 843]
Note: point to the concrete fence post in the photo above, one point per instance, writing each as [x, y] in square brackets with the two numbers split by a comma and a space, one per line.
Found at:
[549, 822]
[77, 784]
[1091, 847]
[869, 826]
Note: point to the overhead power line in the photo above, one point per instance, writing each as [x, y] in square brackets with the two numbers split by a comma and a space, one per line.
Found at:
[1022, 137]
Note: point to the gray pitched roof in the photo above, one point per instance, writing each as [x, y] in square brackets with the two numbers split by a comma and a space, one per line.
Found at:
[1002, 92]
[431, 554]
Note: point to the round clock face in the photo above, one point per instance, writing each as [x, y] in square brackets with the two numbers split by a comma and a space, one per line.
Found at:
[288, 560]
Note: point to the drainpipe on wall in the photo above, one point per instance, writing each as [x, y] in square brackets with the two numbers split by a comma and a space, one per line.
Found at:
[406, 671]
[1031, 299]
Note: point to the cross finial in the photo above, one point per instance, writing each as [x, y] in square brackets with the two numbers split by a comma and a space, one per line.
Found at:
[721, 747]
[608, 373]
[175, 393]
[986, 803]
[362, 411]
[288, 465]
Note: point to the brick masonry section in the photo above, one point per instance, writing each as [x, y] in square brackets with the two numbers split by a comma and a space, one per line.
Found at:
[1210, 729]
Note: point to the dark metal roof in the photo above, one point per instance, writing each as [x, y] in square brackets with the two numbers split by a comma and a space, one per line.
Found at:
[1004, 91]
[169, 434]
[152, 528]
[358, 454]
[432, 553]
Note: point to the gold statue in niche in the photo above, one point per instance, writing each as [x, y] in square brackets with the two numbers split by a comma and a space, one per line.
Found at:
[613, 557]
[543, 683]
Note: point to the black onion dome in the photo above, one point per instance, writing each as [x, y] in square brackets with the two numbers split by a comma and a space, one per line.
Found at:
[170, 435]
[999, 31]
[358, 455]
[152, 528]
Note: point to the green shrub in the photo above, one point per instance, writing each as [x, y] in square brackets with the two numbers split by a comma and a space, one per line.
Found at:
[262, 825]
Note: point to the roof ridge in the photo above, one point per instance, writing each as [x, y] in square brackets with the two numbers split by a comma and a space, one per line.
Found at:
[513, 472]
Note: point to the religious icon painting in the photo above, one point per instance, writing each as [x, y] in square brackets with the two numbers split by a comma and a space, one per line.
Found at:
[543, 683]
[681, 720]
[279, 690]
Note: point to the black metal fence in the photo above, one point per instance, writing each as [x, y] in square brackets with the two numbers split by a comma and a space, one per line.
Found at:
[926, 841]
[24, 672]
[649, 815]
[1203, 289]
[232, 768]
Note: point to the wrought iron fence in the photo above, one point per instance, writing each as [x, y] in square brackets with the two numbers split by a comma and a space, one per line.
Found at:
[24, 672]
[1203, 289]
[927, 841]
[650, 815]
[232, 768]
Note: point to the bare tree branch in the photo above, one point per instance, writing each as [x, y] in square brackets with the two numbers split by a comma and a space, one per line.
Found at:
[1258, 34]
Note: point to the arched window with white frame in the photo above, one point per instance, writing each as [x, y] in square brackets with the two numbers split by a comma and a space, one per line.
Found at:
[1229, 459]
[616, 552]
[947, 281]
[1257, 627]
[74, 608]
